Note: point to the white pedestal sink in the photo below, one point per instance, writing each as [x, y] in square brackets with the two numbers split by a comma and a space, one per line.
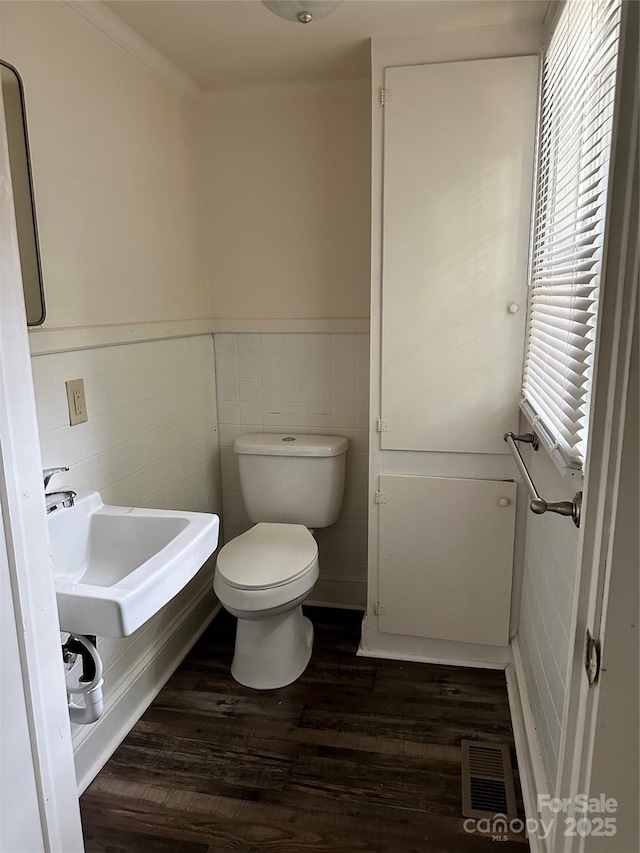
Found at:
[115, 566]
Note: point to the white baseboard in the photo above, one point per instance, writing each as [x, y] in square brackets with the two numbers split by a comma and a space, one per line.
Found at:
[379, 644]
[340, 593]
[533, 779]
[139, 687]
[335, 605]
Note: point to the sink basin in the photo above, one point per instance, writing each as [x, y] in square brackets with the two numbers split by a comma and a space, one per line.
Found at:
[116, 566]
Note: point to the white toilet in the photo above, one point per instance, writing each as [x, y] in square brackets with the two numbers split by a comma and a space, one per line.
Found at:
[289, 483]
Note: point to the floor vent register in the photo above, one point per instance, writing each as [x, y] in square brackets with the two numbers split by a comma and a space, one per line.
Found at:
[487, 780]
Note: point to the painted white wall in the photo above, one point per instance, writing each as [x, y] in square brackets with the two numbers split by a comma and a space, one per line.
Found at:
[299, 383]
[286, 208]
[286, 201]
[114, 168]
[549, 587]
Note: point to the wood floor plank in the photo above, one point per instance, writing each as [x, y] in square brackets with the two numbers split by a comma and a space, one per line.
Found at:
[106, 839]
[162, 724]
[357, 756]
[227, 824]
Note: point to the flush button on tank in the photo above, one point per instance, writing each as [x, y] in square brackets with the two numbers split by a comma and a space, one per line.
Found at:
[504, 501]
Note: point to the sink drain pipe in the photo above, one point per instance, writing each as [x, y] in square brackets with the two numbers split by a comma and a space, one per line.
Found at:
[90, 684]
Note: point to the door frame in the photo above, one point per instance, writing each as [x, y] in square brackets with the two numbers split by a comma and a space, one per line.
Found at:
[28, 554]
[613, 360]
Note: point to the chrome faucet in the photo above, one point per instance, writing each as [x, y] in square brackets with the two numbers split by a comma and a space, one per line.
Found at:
[65, 498]
[48, 473]
[60, 498]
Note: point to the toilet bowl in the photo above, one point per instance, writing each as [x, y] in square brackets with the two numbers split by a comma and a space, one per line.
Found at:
[262, 578]
[289, 483]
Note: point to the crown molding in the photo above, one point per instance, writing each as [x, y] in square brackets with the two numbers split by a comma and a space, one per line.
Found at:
[289, 92]
[117, 32]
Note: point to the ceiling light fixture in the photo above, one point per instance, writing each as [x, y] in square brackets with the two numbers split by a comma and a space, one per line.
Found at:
[301, 11]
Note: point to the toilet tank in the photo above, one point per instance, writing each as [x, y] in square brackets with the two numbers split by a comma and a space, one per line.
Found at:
[297, 479]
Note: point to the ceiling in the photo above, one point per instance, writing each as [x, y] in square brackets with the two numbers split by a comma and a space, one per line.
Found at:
[224, 43]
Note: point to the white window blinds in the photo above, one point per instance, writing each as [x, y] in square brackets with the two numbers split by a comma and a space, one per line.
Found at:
[575, 129]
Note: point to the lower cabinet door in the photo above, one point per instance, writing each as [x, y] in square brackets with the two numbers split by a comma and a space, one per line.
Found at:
[446, 558]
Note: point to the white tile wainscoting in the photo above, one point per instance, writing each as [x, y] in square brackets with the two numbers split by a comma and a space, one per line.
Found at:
[301, 383]
[151, 436]
[151, 440]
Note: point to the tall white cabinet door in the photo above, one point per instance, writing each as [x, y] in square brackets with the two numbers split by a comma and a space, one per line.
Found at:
[446, 555]
[458, 162]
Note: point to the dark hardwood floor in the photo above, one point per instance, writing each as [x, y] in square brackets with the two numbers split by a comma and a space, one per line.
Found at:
[358, 756]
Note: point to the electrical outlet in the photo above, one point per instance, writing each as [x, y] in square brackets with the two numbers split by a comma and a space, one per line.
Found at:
[76, 401]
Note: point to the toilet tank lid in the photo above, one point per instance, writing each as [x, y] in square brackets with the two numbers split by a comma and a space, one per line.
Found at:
[290, 444]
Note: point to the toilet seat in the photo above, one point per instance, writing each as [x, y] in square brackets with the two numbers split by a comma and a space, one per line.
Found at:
[267, 556]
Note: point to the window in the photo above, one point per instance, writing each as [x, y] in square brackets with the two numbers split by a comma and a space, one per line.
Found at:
[574, 144]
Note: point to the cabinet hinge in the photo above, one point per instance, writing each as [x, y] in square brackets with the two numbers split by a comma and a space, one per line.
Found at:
[385, 96]
[381, 497]
[380, 609]
[382, 425]
[592, 659]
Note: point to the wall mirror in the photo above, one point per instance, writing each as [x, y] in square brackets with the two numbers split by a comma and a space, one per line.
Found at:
[20, 166]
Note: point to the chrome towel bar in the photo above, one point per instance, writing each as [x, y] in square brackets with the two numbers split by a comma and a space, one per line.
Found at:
[538, 505]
